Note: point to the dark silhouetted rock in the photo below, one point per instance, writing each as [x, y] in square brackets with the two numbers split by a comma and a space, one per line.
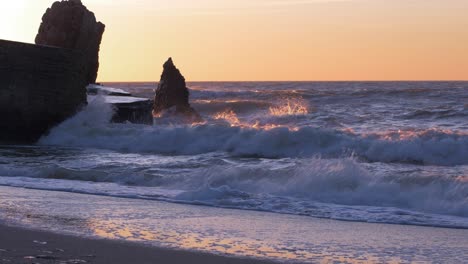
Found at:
[39, 88]
[172, 96]
[69, 24]
[127, 108]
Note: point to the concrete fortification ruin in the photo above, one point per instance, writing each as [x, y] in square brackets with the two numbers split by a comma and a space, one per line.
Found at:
[42, 85]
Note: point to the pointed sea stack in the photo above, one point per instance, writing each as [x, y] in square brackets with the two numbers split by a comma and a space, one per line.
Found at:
[69, 24]
[172, 96]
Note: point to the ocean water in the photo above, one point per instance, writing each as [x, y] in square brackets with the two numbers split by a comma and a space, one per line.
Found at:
[379, 152]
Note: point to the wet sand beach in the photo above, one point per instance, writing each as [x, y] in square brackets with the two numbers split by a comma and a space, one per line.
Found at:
[18, 246]
[100, 229]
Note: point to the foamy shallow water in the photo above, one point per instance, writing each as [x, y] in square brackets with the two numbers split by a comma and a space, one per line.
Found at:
[343, 189]
[287, 238]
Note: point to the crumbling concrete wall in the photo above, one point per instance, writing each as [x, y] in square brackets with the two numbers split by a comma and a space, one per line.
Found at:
[39, 88]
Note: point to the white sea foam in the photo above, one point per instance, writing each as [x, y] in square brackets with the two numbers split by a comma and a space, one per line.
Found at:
[329, 188]
[343, 182]
[91, 129]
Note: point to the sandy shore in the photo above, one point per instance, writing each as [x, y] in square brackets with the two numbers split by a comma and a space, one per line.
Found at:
[26, 246]
[122, 226]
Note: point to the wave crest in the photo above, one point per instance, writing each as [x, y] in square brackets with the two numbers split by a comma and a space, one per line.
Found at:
[330, 188]
[91, 128]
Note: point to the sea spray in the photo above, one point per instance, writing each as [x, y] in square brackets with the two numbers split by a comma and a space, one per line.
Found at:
[91, 129]
[87, 123]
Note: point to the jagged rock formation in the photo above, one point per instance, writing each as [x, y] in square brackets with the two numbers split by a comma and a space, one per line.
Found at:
[39, 88]
[69, 24]
[172, 96]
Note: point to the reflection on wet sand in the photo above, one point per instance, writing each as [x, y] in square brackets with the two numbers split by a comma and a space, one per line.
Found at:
[193, 241]
[231, 246]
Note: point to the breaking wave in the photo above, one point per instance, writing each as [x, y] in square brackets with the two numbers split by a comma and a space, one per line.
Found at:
[339, 189]
[328, 188]
[91, 129]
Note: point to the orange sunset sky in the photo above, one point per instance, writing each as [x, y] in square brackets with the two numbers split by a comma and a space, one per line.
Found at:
[254, 40]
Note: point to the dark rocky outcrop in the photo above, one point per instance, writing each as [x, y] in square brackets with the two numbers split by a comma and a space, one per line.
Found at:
[137, 112]
[172, 96]
[69, 24]
[127, 108]
[39, 88]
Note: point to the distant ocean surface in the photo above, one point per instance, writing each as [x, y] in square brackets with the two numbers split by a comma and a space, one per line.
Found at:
[383, 152]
